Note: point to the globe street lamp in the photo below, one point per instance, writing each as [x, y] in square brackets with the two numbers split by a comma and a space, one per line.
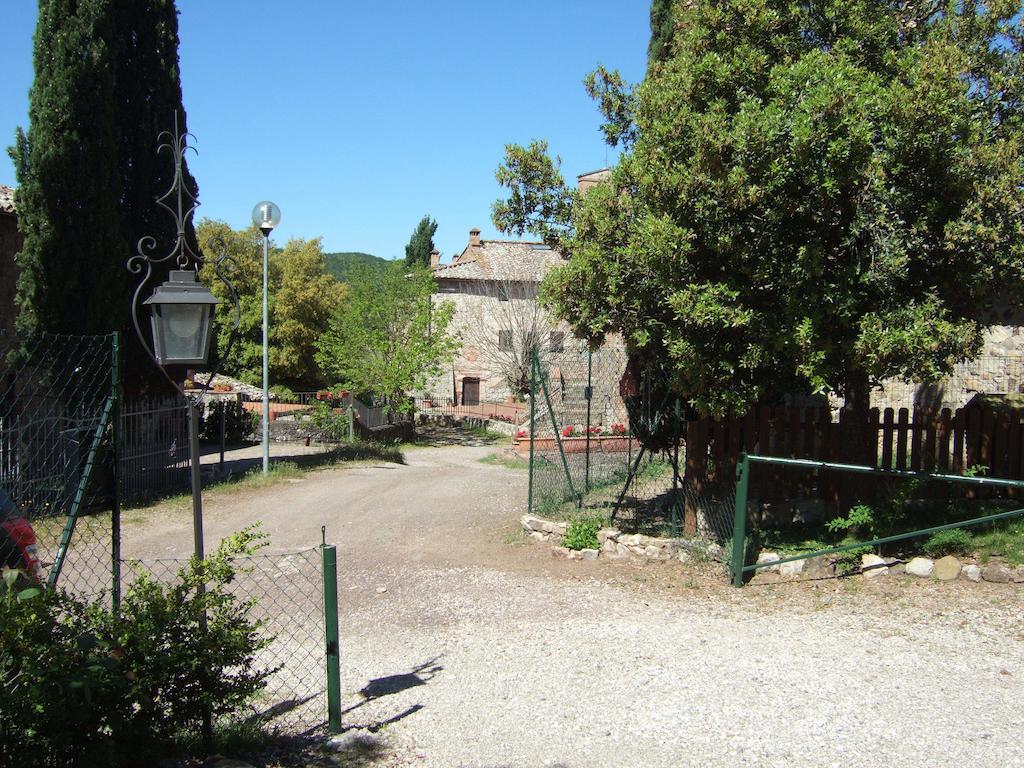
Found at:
[266, 216]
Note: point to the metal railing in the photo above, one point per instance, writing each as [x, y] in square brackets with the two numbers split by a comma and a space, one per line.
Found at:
[739, 533]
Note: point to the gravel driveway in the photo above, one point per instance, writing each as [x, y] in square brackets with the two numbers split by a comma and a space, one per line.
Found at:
[465, 646]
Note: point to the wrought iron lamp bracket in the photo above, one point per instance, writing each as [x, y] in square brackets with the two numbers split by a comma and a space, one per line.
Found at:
[181, 203]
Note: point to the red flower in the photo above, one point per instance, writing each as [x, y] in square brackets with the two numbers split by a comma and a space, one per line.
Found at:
[567, 432]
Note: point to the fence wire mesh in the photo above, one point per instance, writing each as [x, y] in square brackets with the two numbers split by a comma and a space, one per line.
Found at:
[286, 595]
[588, 459]
[57, 403]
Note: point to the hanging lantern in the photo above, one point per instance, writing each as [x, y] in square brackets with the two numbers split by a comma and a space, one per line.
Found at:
[182, 309]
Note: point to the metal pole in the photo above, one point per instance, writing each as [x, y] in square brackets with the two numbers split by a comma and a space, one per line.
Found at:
[115, 459]
[330, 564]
[197, 536]
[588, 393]
[533, 424]
[223, 418]
[266, 367]
[739, 525]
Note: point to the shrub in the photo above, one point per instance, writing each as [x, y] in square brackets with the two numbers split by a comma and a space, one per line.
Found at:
[330, 426]
[239, 424]
[85, 687]
[581, 533]
[63, 690]
[955, 541]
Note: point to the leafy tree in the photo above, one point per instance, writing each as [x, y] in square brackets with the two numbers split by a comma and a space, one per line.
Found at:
[106, 84]
[421, 243]
[301, 297]
[388, 338]
[815, 196]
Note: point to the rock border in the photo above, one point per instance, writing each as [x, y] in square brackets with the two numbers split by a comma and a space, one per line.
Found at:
[615, 544]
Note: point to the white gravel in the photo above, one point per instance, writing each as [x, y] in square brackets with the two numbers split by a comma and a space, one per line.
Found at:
[508, 657]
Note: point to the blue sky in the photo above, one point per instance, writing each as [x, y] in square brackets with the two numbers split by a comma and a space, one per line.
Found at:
[359, 118]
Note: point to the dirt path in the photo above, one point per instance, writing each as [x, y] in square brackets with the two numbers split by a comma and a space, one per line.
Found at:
[488, 652]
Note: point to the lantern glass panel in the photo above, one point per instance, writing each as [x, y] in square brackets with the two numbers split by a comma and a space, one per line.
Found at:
[184, 332]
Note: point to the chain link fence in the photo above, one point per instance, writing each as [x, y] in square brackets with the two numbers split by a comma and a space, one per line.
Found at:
[286, 592]
[62, 423]
[57, 404]
[587, 456]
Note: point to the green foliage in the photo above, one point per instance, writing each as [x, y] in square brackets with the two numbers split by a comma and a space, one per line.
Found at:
[421, 243]
[1005, 539]
[387, 338]
[63, 687]
[176, 669]
[106, 84]
[301, 297]
[955, 541]
[331, 426]
[239, 424]
[860, 519]
[819, 195]
[581, 533]
[85, 687]
[340, 265]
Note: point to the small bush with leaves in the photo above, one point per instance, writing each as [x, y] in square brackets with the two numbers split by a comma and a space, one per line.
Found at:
[581, 533]
[239, 424]
[955, 541]
[329, 425]
[85, 687]
[176, 668]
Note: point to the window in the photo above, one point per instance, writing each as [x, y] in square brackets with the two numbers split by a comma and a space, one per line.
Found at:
[555, 341]
[504, 341]
[502, 292]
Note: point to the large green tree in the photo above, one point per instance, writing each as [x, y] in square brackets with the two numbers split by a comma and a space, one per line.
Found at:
[301, 298]
[388, 339]
[421, 243]
[72, 264]
[812, 196]
[106, 85]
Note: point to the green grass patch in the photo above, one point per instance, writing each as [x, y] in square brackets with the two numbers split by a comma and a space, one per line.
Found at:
[505, 460]
[1005, 539]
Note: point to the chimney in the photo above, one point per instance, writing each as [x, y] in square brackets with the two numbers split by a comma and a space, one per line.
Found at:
[435, 258]
[474, 237]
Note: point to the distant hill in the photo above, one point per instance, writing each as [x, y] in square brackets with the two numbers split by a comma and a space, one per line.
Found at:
[340, 264]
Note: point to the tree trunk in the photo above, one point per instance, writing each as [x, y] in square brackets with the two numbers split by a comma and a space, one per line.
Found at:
[857, 447]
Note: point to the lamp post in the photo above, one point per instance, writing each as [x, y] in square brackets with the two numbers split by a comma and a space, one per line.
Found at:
[181, 311]
[266, 215]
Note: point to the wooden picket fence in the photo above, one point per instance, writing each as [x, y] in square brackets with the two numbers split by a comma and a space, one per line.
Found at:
[934, 441]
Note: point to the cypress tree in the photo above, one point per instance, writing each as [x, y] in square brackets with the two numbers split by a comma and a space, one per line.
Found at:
[72, 275]
[107, 83]
[421, 243]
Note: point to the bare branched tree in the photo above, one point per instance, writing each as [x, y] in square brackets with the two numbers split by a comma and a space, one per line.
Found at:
[500, 321]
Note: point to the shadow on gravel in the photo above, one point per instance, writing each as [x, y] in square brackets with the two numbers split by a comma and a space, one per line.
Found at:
[380, 687]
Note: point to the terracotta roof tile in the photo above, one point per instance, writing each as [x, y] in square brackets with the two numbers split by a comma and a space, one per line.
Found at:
[502, 260]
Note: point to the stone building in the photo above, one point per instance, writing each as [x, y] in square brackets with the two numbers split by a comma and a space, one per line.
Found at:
[494, 286]
[10, 243]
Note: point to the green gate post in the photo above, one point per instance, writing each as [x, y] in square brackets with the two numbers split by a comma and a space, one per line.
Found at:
[330, 564]
[739, 525]
[115, 458]
[588, 393]
[533, 425]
